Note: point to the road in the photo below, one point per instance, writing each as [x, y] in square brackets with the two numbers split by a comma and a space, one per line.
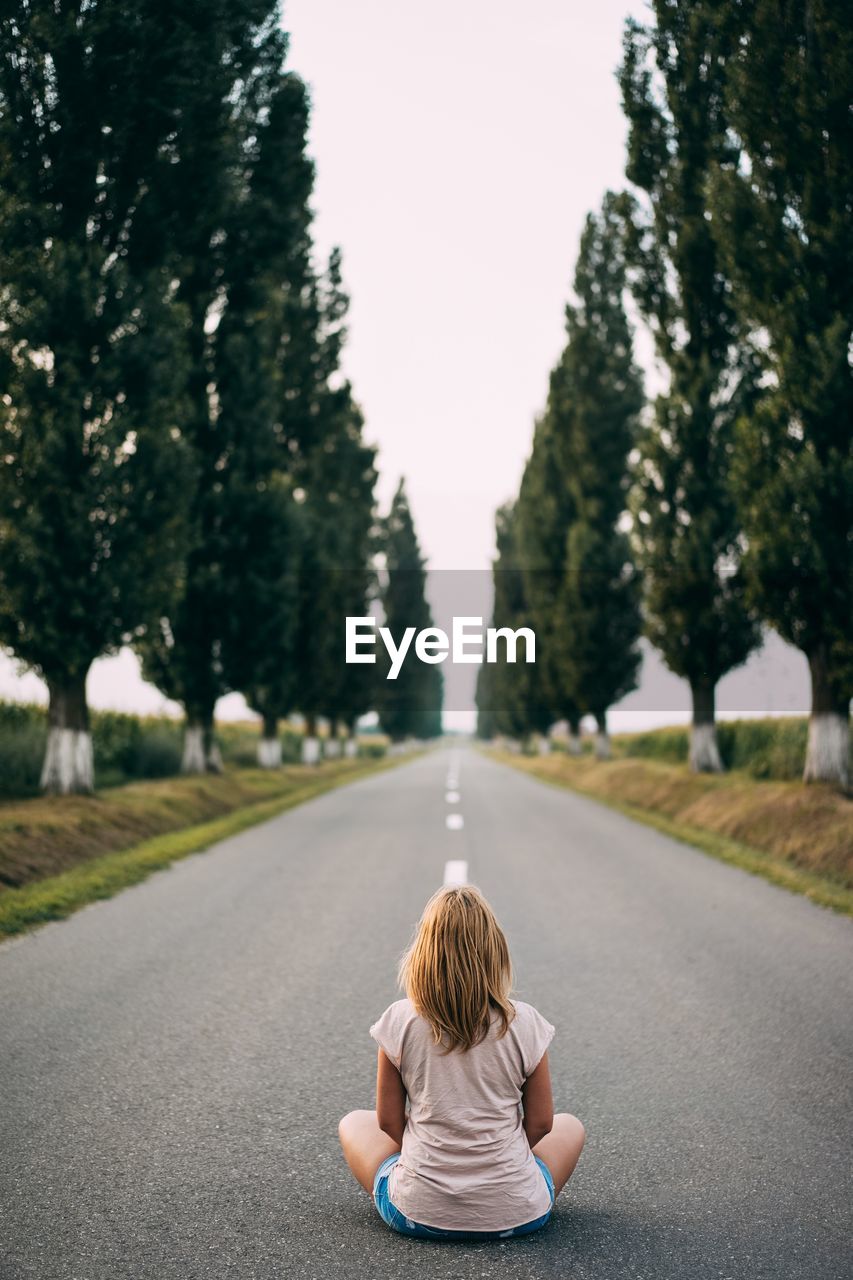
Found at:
[174, 1061]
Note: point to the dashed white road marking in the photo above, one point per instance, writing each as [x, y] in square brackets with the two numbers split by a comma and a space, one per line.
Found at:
[455, 873]
[452, 797]
[455, 822]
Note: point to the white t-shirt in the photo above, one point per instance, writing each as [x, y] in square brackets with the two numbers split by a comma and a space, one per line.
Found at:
[466, 1164]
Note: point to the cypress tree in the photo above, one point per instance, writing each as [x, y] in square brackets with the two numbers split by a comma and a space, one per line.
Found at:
[687, 526]
[594, 409]
[335, 574]
[513, 695]
[410, 705]
[782, 207]
[543, 513]
[248, 286]
[92, 337]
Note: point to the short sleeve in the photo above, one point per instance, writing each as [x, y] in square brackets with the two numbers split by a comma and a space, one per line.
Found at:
[388, 1031]
[535, 1034]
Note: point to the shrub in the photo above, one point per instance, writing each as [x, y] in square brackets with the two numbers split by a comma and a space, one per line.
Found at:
[657, 744]
[23, 736]
[766, 749]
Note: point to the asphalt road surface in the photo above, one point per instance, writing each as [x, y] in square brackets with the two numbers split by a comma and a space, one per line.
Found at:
[173, 1062]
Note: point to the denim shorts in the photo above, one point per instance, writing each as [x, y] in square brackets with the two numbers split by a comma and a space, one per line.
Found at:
[399, 1222]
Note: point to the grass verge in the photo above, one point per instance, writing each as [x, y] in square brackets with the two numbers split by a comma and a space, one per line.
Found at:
[798, 837]
[102, 875]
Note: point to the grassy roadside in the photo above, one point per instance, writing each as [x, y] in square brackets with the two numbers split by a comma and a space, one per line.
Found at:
[254, 796]
[798, 837]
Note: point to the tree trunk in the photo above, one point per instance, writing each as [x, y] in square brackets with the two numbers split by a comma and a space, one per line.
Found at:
[603, 749]
[574, 747]
[333, 743]
[351, 743]
[269, 745]
[310, 743]
[828, 748]
[69, 765]
[543, 744]
[704, 752]
[201, 751]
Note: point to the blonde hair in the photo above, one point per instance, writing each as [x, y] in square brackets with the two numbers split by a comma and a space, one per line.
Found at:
[457, 969]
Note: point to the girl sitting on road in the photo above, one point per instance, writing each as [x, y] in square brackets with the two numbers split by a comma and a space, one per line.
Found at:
[480, 1153]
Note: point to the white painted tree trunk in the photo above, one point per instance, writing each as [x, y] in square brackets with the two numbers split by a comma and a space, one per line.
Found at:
[704, 751]
[351, 748]
[310, 750]
[69, 762]
[332, 749]
[214, 758]
[573, 744]
[193, 760]
[828, 750]
[269, 753]
[603, 750]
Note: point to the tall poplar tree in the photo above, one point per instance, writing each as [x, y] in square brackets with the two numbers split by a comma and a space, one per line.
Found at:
[335, 573]
[93, 112]
[594, 413]
[543, 514]
[513, 697]
[410, 705]
[253, 301]
[688, 529]
[782, 208]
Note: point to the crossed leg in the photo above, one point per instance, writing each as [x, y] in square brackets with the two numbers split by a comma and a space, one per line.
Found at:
[365, 1146]
[561, 1148]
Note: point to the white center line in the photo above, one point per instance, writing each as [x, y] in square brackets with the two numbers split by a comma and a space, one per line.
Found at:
[455, 822]
[455, 873]
[452, 797]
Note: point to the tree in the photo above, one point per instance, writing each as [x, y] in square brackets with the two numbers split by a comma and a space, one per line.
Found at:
[687, 528]
[335, 575]
[259, 633]
[512, 697]
[255, 313]
[410, 705]
[595, 406]
[782, 205]
[92, 336]
[543, 514]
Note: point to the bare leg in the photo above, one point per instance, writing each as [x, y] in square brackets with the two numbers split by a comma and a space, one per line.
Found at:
[365, 1145]
[561, 1148]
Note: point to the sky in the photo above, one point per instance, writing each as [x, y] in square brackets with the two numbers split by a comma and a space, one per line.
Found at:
[458, 148]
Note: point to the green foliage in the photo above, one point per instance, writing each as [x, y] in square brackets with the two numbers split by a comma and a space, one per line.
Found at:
[335, 578]
[126, 747]
[781, 203]
[512, 698]
[244, 252]
[686, 524]
[594, 408]
[92, 352]
[563, 565]
[765, 749]
[23, 734]
[543, 514]
[409, 706]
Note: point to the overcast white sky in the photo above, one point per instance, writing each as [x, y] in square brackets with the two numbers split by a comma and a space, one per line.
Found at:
[459, 146]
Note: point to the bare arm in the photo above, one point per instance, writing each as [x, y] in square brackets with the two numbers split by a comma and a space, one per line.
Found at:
[537, 1103]
[390, 1099]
